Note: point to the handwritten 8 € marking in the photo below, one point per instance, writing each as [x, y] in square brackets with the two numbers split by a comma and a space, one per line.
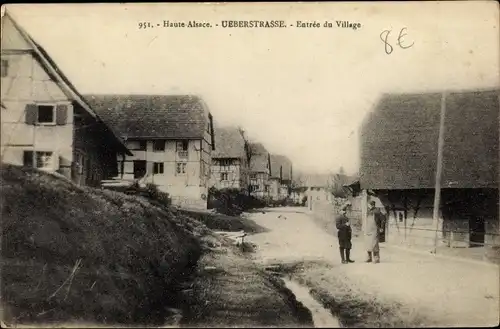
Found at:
[384, 36]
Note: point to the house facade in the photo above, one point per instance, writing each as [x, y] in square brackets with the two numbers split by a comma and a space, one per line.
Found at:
[317, 196]
[399, 146]
[229, 168]
[46, 123]
[171, 140]
[259, 171]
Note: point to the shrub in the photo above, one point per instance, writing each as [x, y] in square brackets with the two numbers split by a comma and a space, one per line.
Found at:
[232, 201]
[155, 194]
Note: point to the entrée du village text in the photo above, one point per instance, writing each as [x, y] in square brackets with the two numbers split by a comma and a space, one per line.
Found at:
[251, 24]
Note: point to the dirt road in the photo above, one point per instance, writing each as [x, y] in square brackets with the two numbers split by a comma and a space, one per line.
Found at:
[445, 291]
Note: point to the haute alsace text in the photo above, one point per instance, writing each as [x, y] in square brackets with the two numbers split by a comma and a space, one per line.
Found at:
[249, 24]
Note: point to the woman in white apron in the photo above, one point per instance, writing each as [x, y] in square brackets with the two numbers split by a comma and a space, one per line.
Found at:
[374, 227]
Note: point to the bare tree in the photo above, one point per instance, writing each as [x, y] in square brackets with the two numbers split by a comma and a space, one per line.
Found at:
[250, 152]
[336, 183]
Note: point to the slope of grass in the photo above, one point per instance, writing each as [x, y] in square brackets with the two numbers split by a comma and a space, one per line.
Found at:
[72, 253]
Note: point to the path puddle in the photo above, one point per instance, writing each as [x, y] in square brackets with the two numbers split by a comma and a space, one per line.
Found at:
[322, 318]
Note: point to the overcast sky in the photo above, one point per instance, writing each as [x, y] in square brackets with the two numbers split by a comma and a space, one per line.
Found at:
[301, 91]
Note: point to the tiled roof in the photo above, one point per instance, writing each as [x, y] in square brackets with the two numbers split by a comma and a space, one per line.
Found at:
[228, 143]
[278, 161]
[315, 180]
[399, 141]
[259, 160]
[153, 116]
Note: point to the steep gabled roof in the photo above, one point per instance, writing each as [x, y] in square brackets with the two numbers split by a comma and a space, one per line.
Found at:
[399, 141]
[62, 80]
[281, 161]
[260, 158]
[229, 143]
[316, 180]
[153, 116]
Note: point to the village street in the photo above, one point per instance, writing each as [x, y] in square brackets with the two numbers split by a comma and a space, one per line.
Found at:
[450, 292]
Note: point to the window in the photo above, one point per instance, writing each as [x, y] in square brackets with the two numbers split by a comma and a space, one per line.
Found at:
[139, 168]
[182, 145]
[266, 188]
[46, 114]
[253, 176]
[28, 159]
[181, 168]
[42, 160]
[254, 188]
[158, 168]
[182, 148]
[158, 145]
[224, 176]
[225, 162]
[143, 146]
[4, 68]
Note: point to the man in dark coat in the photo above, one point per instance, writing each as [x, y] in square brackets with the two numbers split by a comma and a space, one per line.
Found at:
[344, 234]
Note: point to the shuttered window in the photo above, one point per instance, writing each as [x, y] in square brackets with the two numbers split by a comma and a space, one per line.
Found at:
[46, 114]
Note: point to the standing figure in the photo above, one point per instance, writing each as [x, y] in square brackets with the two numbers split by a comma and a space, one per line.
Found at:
[375, 222]
[344, 234]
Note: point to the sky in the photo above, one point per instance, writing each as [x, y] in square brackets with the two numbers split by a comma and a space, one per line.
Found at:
[302, 92]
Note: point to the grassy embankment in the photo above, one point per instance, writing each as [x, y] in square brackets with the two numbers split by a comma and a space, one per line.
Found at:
[82, 255]
[73, 253]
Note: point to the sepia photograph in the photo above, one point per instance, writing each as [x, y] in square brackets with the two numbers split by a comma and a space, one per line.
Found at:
[268, 164]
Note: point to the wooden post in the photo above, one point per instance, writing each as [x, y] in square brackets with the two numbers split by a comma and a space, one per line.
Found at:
[439, 169]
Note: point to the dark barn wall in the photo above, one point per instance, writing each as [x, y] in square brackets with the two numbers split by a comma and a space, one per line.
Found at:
[100, 151]
[458, 206]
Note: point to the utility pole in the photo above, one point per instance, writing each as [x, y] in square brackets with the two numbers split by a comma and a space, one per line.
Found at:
[439, 170]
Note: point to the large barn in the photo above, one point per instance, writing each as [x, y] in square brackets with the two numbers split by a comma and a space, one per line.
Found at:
[399, 152]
